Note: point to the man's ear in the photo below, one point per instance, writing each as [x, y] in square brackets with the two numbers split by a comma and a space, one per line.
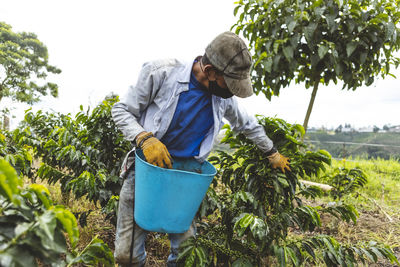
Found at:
[210, 70]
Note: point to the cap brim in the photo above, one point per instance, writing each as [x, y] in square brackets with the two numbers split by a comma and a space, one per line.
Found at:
[240, 88]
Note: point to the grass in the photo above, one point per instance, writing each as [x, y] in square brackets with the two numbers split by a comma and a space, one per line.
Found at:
[383, 178]
[378, 204]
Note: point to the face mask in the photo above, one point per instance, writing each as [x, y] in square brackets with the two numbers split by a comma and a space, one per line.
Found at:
[217, 90]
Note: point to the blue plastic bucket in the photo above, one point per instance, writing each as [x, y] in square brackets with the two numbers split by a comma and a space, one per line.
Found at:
[166, 200]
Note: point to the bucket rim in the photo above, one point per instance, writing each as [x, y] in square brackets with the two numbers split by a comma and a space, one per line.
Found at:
[175, 170]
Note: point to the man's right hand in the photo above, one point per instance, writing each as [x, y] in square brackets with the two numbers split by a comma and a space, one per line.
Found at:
[154, 151]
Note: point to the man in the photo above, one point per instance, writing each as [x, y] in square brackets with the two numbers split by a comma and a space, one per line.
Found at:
[176, 110]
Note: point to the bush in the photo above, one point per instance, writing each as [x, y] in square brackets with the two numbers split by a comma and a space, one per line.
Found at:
[83, 154]
[251, 209]
[32, 229]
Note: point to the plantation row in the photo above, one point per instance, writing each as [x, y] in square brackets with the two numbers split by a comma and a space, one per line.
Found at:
[252, 214]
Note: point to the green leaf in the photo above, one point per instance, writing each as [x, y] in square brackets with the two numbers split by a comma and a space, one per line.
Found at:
[326, 156]
[369, 254]
[259, 229]
[350, 47]
[249, 168]
[376, 252]
[236, 9]
[276, 47]
[299, 128]
[339, 2]
[23, 227]
[246, 220]
[42, 193]
[68, 220]
[280, 255]
[260, 58]
[308, 247]
[242, 262]
[291, 26]
[288, 52]
[189, 262]
[17, 256]
[201, 256]
[283, 182]
[268, 64]
[309, 31]
[330, 20]
[9, 182]
[390, 30]
[96, 253]
[187, 251]
[322, 50]
[47, 222]
[328, 243]
[292, 256]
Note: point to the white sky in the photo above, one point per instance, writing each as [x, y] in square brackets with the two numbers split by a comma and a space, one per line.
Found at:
[101, 45]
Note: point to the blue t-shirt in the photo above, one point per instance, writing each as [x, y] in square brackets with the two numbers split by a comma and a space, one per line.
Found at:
[192, 119]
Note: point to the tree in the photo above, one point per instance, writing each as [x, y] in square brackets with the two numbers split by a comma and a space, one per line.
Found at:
[386, 127]
[316, 42]
[24, 61]
[339, 129]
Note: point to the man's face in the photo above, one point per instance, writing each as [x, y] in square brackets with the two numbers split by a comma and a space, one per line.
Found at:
[216, 82]
[221, 81]
[215, 75]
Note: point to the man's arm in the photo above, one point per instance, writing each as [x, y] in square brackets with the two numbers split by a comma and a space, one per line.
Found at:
[241, 122]
[127, 112]
[126, 115]
[248, 125]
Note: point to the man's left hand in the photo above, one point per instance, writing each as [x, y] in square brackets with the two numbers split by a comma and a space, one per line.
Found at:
[279, 161]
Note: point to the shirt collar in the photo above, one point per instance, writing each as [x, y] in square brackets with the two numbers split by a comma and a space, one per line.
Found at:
[184, 76]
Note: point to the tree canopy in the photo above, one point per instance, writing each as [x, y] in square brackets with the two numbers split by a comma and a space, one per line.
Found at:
[23, 63]
[319, 41]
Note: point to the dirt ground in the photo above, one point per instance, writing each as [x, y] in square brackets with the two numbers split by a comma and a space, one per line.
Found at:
[371, 225]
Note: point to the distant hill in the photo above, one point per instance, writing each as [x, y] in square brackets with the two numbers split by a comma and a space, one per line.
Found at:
[385, 145]
[368, 145]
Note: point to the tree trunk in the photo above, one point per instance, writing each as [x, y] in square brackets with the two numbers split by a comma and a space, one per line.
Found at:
[310, 105]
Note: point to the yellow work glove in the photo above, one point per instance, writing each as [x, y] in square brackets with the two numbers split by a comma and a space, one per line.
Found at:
[279, 161]
[154, 151]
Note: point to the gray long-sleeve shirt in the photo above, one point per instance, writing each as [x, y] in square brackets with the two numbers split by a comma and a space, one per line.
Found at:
[150, 106]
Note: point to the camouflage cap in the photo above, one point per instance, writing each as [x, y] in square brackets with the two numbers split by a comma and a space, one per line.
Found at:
[229, 54]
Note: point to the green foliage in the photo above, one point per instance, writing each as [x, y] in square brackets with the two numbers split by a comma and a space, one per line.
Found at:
[345, 181]
[82, 153]
[319, 41]
[383, 178]
[24, 61]
[18, 156]
[251, 209]
[95, 253]
[32, 228]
